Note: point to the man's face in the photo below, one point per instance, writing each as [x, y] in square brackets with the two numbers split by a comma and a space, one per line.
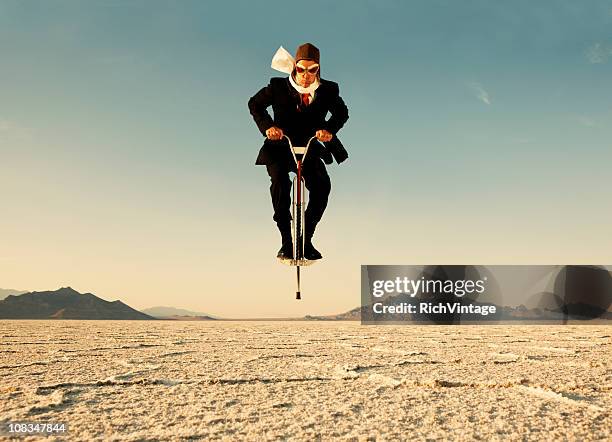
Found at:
[306, 72]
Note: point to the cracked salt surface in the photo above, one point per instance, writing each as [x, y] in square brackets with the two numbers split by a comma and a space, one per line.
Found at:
[306, 380]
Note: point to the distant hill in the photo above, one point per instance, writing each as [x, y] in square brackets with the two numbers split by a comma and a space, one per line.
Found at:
[187, 318]
[170, 312]
[6, 292]
[65, 303]
[351, 315]
[519, 313]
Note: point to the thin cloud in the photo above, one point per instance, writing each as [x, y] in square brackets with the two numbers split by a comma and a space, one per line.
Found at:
[6, 126]
[481, 94]
[11, 129]
[598, 53]
[586, 121]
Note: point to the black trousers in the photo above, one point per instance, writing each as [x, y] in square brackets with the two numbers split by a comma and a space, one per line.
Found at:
[317, 182]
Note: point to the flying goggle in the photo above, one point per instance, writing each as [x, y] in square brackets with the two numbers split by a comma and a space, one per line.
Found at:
[313, 69]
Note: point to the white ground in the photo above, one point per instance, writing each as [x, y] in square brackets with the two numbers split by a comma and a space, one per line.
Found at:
[154, 380]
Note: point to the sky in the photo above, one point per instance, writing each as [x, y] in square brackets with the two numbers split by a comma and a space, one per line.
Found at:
[480, 132]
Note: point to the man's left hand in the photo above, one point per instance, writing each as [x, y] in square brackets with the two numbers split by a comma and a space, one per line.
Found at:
[323, 135]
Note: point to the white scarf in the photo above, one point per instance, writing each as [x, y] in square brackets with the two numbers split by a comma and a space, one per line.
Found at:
[283, 61]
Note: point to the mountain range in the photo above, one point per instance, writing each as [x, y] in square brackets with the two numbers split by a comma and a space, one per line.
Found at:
[172, 312]
[504, 313]
[6, 292]
[65, 303]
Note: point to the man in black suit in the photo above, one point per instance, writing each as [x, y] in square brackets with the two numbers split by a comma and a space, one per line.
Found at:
[300, 104]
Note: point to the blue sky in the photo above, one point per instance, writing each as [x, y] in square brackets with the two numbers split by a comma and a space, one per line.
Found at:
[479, 133]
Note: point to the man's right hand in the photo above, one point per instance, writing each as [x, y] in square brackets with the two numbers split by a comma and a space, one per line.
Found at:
[274, 133]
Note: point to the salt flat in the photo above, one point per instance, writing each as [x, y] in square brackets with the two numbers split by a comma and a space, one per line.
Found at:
[162, 380]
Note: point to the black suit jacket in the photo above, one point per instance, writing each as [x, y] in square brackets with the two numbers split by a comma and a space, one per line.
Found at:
[297, 121]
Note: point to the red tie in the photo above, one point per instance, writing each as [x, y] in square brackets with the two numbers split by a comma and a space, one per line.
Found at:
[306, 99]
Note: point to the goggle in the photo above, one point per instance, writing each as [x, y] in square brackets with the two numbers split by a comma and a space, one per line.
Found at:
[310, 69]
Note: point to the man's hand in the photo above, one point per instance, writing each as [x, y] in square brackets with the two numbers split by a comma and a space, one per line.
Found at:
[323, 135]
[274, 133]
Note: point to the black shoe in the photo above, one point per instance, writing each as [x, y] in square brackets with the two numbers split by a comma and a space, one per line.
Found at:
[286, 250]
[310, 252]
